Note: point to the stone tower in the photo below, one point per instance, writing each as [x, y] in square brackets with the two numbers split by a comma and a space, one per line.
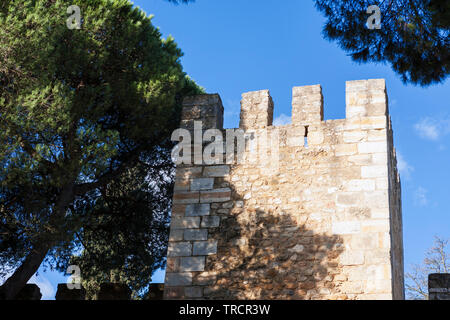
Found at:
[317, 215]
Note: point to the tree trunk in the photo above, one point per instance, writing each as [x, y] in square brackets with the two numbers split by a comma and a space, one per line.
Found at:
[20, 277]
[30, 265]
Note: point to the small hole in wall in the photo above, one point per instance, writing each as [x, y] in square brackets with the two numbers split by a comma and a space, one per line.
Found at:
[306, 136]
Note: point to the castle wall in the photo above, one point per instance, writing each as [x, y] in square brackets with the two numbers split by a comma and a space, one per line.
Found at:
[314, 213]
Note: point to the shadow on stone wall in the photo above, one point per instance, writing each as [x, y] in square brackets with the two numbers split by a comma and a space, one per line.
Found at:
[271, 255]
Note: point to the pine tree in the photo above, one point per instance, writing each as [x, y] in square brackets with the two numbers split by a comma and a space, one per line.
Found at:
[413, 36]
[80, 111]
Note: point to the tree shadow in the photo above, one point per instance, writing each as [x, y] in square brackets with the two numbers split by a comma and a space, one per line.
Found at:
[270, 255]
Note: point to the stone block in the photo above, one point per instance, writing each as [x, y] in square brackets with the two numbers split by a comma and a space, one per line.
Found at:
[176, 234]
[382, 183]
[179, 249]
[345, 150]
[348, 199]
[196, 210]
[379, 286]
[372, 147]
[360, 159]
[377, 135]
[296, 141]
[360, 185]
[297, 248]
[185, 223]
[380, 159]
[193, 292]
[373, 123]
[352, 258]
[205, 248]
[216, 195]
[202, 184]
[181, 185]
[173, 293]
[256, 110]
[375, 226]
[181, 197]
[375, 296]
[189, 172]
[346, 227]
[196, 234]
[376, 199]
[352, 287]
[207, 108]
[355, 136]
[192, 264]
[307, 104]
[178, 279]
[374, 171]
[366, 98]
[210, 222]
[173, 264]
[378, 256]
[216, 171]
[380, 213]
[205, 278]
[315, 138]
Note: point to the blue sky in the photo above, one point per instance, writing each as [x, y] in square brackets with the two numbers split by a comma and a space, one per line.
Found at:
[235, 46]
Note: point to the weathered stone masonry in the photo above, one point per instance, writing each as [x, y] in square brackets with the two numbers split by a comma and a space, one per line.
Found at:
[326, 224]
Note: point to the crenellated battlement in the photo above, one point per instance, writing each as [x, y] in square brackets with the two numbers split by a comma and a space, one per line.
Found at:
[320, 218]
[256, 110]
[307, 104]
[364, 98]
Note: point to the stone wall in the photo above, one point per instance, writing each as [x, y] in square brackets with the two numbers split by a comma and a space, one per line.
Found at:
[317, 215]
